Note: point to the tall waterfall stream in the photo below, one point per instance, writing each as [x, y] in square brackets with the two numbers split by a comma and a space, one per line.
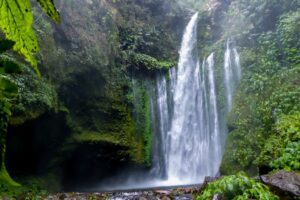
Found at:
[190, 134]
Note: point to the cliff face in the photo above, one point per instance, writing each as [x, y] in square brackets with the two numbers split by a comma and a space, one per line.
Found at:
[89, 59]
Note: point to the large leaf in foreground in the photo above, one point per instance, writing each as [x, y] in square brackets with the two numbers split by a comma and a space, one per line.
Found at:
[16, 22]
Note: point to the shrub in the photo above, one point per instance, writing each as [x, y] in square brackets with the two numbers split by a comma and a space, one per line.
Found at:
[290, 159]
[237, 187]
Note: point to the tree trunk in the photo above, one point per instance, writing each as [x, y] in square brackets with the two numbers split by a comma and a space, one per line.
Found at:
[4, 175]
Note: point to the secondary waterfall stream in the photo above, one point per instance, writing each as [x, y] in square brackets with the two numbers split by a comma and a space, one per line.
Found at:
[232, 72]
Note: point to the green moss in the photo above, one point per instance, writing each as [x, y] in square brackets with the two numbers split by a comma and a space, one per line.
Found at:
[96, 138]
[6, 179]
[142, 118]
[117, 128]
[140, 61]
[147, 132]
[31, 190]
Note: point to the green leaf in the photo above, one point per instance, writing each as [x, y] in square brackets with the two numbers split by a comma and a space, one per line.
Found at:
[6, 45]
[50, 9]
[16, 22]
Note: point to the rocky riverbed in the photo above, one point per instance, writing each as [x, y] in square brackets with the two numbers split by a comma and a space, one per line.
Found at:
[285, 184]
[165, 194]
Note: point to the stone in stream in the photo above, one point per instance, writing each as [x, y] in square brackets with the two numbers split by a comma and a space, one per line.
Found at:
[217, 197]
[184, 197]
[164, 192]
[283, 183]
[165, 198]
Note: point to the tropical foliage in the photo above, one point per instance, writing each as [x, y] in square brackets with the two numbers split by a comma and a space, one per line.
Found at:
[289, 159]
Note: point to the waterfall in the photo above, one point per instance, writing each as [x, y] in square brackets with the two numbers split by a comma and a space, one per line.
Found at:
[188, 130]
[188, 119]
[232, 72]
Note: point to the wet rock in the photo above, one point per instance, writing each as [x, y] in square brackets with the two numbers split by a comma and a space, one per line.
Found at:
[165, 192]
[165, 198]
[62, 196]
[185, 197]
[209, 179]
[142, 198]
[283, 183]
[188, 190]
[217, 197]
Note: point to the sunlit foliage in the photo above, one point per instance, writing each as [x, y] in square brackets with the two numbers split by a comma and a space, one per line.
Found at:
[16, 22]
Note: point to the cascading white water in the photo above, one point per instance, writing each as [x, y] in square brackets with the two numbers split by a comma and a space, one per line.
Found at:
[215, 132]
[188, 116]
[180, 164]
[232, 72]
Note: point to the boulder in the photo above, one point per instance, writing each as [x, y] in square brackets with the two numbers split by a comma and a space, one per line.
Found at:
[283, 182]
[163, 192]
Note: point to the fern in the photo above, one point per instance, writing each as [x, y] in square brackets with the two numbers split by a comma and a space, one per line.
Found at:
[16, 22]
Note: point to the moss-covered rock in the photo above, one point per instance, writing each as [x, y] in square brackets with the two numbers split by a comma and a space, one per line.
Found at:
[36, 97]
